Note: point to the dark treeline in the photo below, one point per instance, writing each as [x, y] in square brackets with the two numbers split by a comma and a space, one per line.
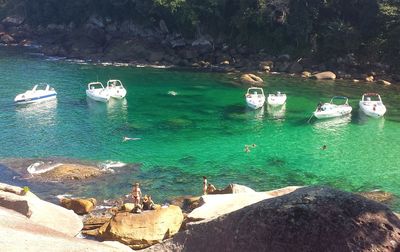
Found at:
[369, 29]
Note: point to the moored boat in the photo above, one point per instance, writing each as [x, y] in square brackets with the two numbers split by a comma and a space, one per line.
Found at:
[116, 89]
[36, 94]
[97, 92]
[371, 104]
[277, 99]
[255, 97]
[330, 109]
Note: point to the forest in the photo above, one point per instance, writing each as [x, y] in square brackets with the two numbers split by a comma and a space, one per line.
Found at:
[368, 29]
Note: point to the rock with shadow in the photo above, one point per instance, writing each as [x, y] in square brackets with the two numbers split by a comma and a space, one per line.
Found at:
[309, 219]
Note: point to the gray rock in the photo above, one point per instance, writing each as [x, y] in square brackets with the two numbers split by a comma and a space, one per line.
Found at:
[309, 219]
[282, 66]
[13, 20]
[296, 67]
[176, 42]
[203, 45]
[156, 56]
[96, 21]
[163, 27]
[6, 39]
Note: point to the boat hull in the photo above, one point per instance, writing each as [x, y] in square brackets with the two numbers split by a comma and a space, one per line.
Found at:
[373, 111]
[276, 100]
[34, 99]
[340, 111]
[118, 93]
[97, 96]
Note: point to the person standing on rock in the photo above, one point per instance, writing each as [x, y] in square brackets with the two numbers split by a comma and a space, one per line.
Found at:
[204, 185]
[136, 194]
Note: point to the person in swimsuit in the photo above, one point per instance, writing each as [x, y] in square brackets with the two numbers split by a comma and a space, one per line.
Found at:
[136, 194]
[204, 185]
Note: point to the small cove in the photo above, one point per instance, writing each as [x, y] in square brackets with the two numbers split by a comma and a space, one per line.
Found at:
[200, 131]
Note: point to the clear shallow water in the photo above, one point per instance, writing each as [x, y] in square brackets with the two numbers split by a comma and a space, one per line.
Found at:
[200, 131]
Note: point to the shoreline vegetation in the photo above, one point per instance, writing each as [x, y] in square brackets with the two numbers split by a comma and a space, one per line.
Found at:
[165, 42]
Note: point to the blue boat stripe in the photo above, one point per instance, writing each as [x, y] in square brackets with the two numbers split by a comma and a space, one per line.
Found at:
[37, 98]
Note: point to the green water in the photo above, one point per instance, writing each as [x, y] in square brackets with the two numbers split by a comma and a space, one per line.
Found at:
[200, 131]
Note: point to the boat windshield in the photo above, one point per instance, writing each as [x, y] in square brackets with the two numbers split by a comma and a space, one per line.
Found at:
[114, 83]
[255, 91]
[95, 85]
[372, 98]
[339, 100]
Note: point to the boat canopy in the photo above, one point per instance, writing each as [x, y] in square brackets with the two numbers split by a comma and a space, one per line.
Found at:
[340, 97]
[371, 94]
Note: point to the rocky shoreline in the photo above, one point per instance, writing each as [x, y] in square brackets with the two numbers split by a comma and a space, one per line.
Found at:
[102, 40]
[286, 219]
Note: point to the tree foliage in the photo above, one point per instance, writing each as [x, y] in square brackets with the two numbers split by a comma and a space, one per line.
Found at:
[323, 28]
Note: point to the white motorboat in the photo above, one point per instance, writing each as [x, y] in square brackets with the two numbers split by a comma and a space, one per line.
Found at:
[330, 109]
[36, 95]
[97, 92]
[371, 104]
[116, 89]
[255, 97]
[277, 99]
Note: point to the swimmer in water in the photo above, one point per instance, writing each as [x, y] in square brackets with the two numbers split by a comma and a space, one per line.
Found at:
[246, 149]
[124, 139]
[324, 147]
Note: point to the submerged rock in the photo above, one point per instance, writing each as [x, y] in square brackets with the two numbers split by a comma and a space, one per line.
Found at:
[70, 172]
[309, 219]
[144, 229]
[379, 196]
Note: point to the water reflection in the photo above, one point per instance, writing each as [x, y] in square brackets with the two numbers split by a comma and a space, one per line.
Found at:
[117, 106]
[332, 124]
[277, 113]
[363, 119]
[35, 114]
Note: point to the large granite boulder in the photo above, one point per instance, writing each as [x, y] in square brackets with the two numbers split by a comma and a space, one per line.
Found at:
[13, 20]
[309, 219]
[6, 39]
[213, 206]
[19, 233]
[144, 229]
[79, 206]
[38, 211]
[327, 75]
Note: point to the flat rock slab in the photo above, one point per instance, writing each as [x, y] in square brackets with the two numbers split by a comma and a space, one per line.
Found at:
[219, 204]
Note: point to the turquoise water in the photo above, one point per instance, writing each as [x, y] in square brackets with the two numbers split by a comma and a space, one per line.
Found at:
[200, 131]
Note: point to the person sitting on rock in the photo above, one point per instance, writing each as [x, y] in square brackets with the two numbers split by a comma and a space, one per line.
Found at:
[211, 188]
[148, 203]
